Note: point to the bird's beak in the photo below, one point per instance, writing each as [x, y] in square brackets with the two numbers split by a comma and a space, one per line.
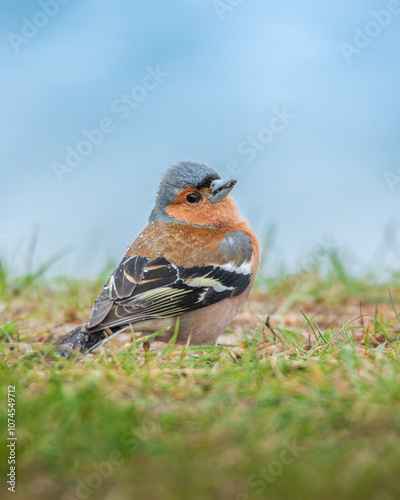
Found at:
[220, 189]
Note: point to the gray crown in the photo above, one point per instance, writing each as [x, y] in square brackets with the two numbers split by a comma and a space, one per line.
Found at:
[178, 177]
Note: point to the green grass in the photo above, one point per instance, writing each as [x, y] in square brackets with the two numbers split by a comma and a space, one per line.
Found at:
[301, 412]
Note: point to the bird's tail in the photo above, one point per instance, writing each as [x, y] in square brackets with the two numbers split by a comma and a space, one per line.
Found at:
[79, 342]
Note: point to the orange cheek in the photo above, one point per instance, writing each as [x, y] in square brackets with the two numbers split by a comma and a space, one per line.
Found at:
[223, 215]
[193, 214]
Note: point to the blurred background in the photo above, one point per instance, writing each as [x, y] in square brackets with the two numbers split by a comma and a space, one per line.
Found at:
[297, 100]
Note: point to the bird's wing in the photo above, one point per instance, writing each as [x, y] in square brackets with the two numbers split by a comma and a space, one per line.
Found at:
[144, 288]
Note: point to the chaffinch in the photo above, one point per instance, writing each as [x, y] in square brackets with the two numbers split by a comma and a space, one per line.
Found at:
[197, 260]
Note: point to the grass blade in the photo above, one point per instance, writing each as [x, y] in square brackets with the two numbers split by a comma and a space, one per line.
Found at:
[394, 307]
[309, 322]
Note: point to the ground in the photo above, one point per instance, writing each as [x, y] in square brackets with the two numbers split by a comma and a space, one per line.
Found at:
[300, 400]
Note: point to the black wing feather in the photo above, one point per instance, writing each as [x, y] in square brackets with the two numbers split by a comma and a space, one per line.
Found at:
[140, 289]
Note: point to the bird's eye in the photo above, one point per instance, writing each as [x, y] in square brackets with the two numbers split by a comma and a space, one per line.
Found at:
[192, 198]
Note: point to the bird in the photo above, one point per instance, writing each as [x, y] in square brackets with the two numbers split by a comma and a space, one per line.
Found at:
[187, 273]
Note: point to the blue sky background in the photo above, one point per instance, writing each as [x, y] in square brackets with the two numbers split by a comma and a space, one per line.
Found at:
[229, 72]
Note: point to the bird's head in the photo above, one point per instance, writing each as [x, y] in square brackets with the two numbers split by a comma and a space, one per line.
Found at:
[193, 193]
